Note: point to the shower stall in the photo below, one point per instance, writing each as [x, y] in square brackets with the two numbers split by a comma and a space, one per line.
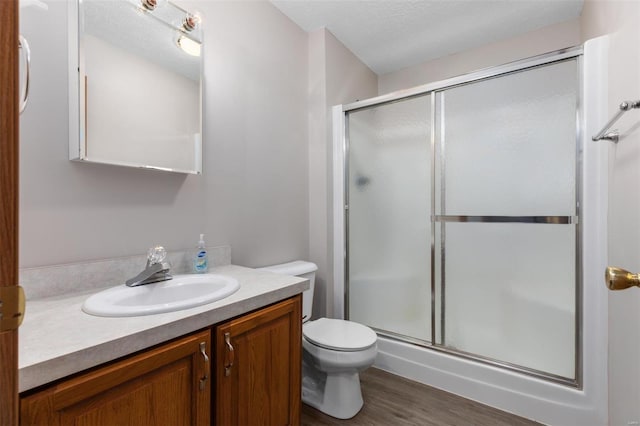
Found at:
[468, 235]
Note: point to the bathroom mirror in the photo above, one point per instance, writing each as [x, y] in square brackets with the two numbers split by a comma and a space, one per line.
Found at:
[135, 84]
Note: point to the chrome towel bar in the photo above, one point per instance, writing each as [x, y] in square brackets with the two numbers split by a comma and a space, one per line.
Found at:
[613, 135]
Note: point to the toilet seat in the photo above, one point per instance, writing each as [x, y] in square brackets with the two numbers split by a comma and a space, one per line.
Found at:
[339, 335]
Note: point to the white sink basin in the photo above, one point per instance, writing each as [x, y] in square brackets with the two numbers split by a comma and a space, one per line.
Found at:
[182, 292]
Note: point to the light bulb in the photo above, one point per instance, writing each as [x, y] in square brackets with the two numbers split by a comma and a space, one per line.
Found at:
[191, 22]
[189, 46]
[151, 5]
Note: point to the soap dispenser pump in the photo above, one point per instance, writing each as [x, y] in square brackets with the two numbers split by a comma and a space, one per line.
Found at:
[201, 261]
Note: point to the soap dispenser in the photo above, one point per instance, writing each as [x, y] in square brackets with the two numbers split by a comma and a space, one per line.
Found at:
[201, 261]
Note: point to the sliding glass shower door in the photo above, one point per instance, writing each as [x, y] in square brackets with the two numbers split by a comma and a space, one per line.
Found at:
[463, 219]
[389, 228]
[507, 209]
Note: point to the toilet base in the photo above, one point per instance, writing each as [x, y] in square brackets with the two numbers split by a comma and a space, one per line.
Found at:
[337, 394]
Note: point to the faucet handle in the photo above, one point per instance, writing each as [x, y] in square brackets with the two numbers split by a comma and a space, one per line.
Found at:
[156, 255]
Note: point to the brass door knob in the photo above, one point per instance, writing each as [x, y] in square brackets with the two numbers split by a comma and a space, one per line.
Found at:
[619, 279]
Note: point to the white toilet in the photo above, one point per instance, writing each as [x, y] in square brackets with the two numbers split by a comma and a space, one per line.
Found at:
[334, 352]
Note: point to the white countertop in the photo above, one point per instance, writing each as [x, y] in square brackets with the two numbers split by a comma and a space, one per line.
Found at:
[57, 338]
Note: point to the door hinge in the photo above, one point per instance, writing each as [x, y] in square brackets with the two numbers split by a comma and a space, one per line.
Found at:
[12, 304]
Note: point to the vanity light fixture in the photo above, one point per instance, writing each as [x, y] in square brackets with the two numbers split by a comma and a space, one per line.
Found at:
[189, 46]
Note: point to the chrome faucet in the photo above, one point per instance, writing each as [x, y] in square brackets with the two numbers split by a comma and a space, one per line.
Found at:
[157, 268]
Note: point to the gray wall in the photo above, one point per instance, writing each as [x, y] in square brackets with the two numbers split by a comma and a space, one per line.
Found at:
[253, 194]
[621, 20]
[547, 39]
[336, 76]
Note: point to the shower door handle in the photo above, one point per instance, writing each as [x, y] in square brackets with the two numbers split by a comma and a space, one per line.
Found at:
[620, 279]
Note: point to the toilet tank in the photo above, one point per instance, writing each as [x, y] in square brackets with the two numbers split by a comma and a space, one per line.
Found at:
[303, 269]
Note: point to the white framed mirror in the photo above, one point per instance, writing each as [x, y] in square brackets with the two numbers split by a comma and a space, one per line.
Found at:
[135, 83]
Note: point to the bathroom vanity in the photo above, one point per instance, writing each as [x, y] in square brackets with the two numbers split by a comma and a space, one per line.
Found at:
[235, 361]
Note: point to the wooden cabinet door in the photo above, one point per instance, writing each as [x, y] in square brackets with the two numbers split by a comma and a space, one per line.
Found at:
[167, 385]
[258, 367]
[9, 205]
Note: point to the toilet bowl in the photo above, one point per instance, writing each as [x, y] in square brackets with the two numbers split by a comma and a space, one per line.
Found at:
[334, 353]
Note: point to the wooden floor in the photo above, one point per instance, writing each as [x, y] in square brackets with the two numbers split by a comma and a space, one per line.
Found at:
[391, 400]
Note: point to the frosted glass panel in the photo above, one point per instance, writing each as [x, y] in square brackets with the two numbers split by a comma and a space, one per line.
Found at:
[510, 293]
[389, 217]
[510, 144]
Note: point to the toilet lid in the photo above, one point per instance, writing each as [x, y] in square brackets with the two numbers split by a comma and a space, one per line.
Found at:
[339, 335]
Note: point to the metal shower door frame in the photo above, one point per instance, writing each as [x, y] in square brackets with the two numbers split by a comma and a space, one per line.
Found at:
[436, 91]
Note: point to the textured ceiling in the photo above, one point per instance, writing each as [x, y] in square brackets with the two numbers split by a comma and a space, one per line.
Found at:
[389, 35]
